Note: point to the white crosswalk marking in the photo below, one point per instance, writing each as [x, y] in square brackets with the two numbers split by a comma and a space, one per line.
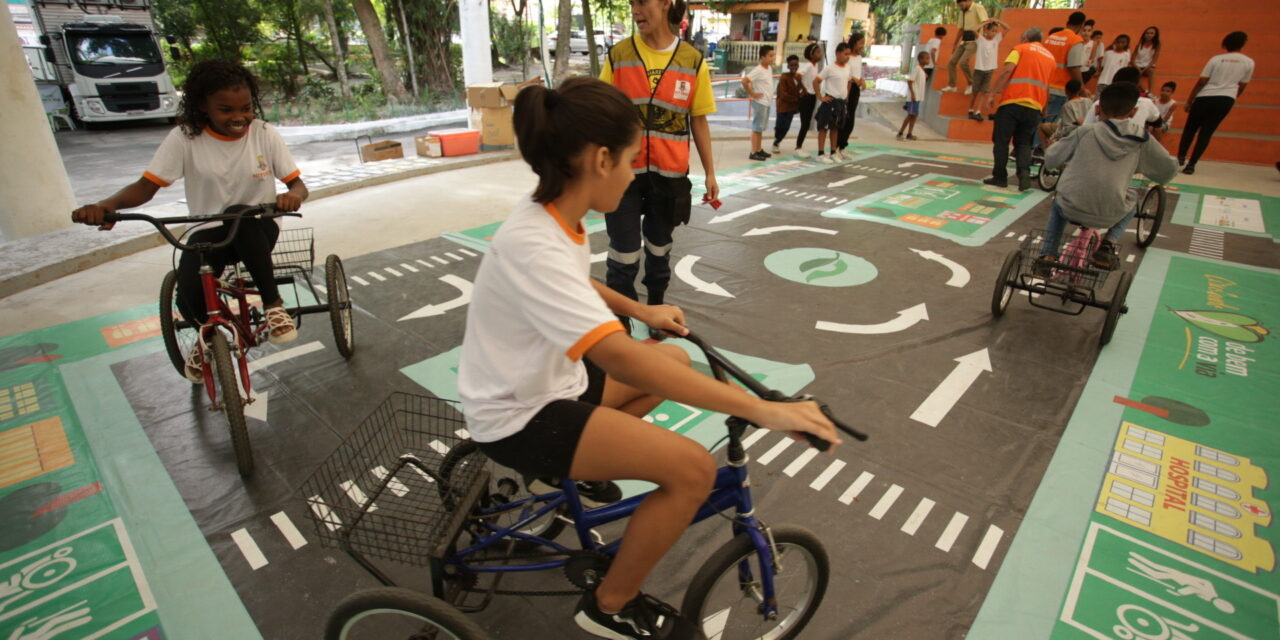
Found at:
[800, 461]
[439, 447]
[987, 547]
[825, 477]
[425, 264]
[439, 259]
[453, 256]
[842, 201]
[1022, 237]
[377, 276]
[288, 530]
[1129, 258]
[466, 252]
[324, 513]
[463, 433]
[408, 267]
[360, 281]
[952, 531]
[393, 272]
[357, 495]
[777, 449]
[917, 517]
[399, 488]
[886, 502]
[249, 549]
[856, 488]
[753, 438]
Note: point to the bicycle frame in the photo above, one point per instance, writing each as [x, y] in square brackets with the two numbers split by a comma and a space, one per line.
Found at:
[219, 314]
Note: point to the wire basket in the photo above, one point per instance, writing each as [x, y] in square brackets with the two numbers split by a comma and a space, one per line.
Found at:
[366, 496]
[295, 251]
[1087, 276]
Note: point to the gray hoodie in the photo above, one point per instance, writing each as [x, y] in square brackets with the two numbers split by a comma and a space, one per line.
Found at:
[1094, 190]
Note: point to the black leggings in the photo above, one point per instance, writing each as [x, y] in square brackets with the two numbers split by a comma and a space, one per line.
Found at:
[252, 246]
[842, 136]
[808, 102]
[1206, 115]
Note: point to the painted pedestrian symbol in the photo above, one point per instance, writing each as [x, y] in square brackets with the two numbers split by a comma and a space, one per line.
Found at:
[1178, 583]
[1138, 623]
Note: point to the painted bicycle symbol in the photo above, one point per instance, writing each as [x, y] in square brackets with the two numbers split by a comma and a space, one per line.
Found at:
[1137, 623]
[50, 626]
[44, 572]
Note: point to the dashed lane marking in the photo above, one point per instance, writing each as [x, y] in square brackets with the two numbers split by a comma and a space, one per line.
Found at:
[288, 530]
[777, 449]
[393, 272]
[360, 281]
[800, 462]
[425, 263]
[952, 531]
[467, 253]
[408, 267]
[399, 488]
[324, 513]
[453, 256]
[917, 517]
[856, 488]
[357, 495]
[988, 546]
[439, 259]
[753, 438]
[825, 477]
[249, 549]
[886, 501]
[377, 276]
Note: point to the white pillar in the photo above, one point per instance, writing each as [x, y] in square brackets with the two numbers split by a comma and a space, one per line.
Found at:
[477, 66]
[35, 195]
[832, 18]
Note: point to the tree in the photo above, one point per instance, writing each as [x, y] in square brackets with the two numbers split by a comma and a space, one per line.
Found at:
[564, 31]
[430, 25]
[392, 85]
[227, 25]
[591, 38]
[339, 51]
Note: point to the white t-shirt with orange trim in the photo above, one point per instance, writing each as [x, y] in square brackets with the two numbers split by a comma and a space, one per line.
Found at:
[221, 171]
[533, 314]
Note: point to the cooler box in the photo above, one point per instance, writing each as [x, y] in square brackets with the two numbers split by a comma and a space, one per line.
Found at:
[457, 142]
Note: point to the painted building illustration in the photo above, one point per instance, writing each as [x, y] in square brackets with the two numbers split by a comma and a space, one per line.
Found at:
[1197, 496]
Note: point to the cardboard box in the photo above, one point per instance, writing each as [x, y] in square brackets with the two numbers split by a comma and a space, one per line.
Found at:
[428, 146]
[381, 150]
[457, 142]
[491, 95]
[496, 126]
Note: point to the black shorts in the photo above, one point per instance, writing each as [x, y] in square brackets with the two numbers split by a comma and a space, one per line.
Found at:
[546, 444]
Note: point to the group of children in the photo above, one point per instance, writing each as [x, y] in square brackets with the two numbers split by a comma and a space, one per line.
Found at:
[827, 97]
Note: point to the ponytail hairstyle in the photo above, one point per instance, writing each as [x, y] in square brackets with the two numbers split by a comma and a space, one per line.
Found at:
[553, 126]
[810, 50]
[676, 13]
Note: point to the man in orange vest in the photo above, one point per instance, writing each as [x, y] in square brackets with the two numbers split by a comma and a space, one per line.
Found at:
[670, 86]
[1023, 86]
[1068, 54]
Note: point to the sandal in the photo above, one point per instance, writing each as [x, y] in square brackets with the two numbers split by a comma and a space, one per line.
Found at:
[280, 326]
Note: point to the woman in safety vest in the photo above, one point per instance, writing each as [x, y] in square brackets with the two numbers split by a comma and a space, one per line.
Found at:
[666, 80]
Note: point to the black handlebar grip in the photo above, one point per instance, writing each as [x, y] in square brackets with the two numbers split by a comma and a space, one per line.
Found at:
[826, 411]
[816, 442]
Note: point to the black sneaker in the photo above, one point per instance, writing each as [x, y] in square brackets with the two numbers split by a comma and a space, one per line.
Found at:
[592, 494]
[1190, 169]
[1043, 267]
[757, 155]
[1106, 256]
[976, 117]
[766, 154]
[995, 182]
[644, 618]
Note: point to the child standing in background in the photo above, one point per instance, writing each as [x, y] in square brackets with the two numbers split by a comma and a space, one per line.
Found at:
[984, 66]
[808, 99]
[832, 89]
[1114, 58]
[931, 47]
[789, 85]
[1145, 56]
[759, 85]
[1092, 57]
[915, 91]
[1073, 115]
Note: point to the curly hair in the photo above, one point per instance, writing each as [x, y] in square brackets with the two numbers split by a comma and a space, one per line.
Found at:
[205, 79]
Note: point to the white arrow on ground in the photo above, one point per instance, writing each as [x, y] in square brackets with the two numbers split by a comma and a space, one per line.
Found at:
[461, 284]
[684, 271]
[764, 231]
[841, 183]
[904, 165]
[257, 364]
[959, 274]
[906, 319]
[258, 408]
[725, 217]
[944, 397]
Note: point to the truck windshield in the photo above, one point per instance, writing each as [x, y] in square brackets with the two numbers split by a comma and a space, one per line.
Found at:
[114, 49]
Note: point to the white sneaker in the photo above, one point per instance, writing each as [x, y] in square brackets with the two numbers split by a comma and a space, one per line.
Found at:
[776, 150]
[968, 91]
[194, 368]
[842, 155]
[801, 153]
[825, 159]
[948, 90]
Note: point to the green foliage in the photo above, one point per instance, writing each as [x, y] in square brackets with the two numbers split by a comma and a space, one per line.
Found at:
[511, 38]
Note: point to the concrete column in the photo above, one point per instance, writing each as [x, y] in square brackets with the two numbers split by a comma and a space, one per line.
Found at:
[35, 195]
[477, 66]
[832, 18]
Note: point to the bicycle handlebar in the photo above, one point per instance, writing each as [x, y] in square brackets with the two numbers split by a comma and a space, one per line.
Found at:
[717, 360]
[234, 213]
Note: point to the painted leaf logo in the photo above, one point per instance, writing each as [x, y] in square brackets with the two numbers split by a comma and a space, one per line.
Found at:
[814, 268]
[1232, 326]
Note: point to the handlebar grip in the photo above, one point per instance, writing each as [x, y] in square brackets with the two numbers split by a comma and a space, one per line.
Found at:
[853, 433]
[816, 442]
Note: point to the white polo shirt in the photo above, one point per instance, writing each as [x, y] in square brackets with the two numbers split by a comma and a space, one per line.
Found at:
[533, 314]
[1225, 72]
[835, 80]
[222, 171]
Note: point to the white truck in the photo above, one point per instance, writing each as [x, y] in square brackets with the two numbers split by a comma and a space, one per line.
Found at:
[101, 55]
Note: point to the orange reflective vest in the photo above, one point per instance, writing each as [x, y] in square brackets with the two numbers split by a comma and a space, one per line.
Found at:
[1060, 44]
[1029, 83]
[664, 109]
